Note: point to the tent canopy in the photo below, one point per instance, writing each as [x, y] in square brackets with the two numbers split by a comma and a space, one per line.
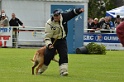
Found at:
[117, 11]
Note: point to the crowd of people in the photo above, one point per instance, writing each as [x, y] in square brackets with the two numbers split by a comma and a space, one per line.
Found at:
[104, 24]
[5, 22]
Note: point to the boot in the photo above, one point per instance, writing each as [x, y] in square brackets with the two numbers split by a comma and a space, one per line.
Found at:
[42, 69]
[64, 69]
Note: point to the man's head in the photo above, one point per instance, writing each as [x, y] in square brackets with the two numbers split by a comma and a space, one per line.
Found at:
[13, 16]
[90, 20]
[56, 15]
[2, 11]
[96, 20]
[106, 19]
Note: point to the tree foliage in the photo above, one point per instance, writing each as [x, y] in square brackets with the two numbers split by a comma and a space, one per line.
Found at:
[98, 8]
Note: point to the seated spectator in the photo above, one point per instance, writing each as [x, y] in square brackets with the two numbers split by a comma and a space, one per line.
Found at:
[4, 22]
[95, 25]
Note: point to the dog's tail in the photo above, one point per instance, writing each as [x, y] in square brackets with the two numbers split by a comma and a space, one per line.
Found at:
[32, 60]
[35, 57]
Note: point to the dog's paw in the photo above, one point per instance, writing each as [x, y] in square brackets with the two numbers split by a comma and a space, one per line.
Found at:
[39, 73]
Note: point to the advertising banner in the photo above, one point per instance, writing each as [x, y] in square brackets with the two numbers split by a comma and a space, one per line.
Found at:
[5, 37]
[111, 40]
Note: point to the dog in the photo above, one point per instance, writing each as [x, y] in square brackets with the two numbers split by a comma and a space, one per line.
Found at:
[38, 59]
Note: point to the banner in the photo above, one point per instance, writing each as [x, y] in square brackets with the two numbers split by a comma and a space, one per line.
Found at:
[111, 40]
[5, 37]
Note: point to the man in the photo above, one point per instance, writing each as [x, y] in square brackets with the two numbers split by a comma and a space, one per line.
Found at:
[106, 26]
[120, 32]
[90, 20]
[56, 28]
[117, 21]
[95, 25]
[2, 11]
[15, 22]
[4, 22]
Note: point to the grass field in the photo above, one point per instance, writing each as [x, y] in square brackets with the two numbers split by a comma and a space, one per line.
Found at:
[15, 66]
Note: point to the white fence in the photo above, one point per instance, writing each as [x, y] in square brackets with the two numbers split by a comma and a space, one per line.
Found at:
[31, 36]
[22, 37]
[34, 37]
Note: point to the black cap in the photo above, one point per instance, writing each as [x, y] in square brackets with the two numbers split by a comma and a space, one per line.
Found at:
[56, 13]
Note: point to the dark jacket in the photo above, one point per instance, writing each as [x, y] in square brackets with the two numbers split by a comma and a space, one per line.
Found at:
[15, 22]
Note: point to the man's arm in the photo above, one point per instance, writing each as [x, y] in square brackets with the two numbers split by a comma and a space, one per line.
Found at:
[71, 14]
[19, 22]
[48, 35]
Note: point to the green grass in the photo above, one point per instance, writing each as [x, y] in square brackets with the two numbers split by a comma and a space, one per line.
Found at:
[15, 66]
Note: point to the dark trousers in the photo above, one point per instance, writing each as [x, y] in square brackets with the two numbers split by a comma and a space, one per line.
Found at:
[61, 46]
[14, 40]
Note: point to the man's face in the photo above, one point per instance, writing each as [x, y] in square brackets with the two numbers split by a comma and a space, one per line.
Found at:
[13, 15]
[95, 21]
[56, 18]
[3, 17]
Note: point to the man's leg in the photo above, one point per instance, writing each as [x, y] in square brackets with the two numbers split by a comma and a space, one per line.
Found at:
[49, 55]
[63, 61]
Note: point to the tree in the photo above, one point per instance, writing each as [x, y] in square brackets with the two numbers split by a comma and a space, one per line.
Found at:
[98, 8]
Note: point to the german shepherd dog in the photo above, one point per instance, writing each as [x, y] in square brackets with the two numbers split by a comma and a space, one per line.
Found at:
[38, 59]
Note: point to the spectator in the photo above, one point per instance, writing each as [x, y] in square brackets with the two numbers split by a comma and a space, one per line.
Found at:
[4, 22]
[2, 11]
[101, 21]
[106, 26]
[90, 20]
[117, 21]
[111, 23]
[15, 21]
[95, 25]
[122, 19]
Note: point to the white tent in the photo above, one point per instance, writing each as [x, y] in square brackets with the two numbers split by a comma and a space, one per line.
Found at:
[117, 11]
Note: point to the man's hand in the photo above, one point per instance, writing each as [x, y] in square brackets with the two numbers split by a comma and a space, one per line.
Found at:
[50, 46]
[23, 26]
[81, 10]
